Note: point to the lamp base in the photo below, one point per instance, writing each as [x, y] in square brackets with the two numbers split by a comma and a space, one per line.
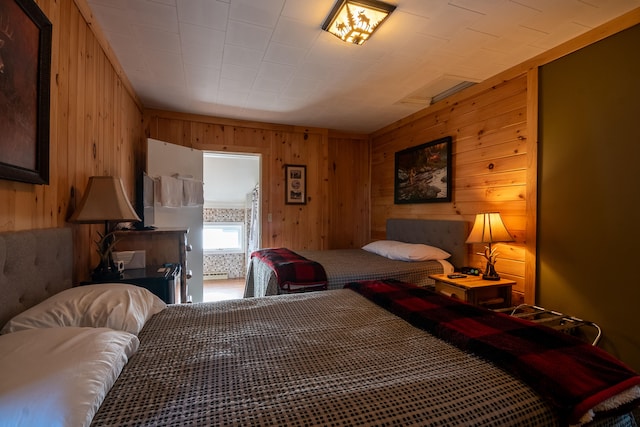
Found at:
[490, 273]
[105, 273]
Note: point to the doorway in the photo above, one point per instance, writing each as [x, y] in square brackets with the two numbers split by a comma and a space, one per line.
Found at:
[231, 223]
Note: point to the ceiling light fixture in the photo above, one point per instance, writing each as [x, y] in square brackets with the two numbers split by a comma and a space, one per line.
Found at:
[354, 21]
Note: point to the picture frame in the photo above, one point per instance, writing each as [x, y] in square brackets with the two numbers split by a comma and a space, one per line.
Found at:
[25, 62]
[422, 173]
[295, 184]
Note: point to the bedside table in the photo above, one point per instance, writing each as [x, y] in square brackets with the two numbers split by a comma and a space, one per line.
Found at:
[475, 290]
[165, 284]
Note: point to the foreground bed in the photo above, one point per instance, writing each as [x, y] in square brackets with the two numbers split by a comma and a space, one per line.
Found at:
[346, 265]
[323, 358]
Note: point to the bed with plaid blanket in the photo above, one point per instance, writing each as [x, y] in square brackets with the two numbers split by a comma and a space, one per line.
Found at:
[294, 273]
[347, 265]
[312, 359]
[343, 266]
[575, 377]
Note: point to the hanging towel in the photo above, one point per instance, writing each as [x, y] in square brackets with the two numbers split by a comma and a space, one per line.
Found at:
[192, 192]
[170, 192]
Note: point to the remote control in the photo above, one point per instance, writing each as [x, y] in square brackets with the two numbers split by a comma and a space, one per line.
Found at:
[456, 276]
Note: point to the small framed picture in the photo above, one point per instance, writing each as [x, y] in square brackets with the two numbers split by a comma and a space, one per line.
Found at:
[295, 184]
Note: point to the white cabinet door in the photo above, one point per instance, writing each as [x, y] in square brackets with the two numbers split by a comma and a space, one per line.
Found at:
[168, 159]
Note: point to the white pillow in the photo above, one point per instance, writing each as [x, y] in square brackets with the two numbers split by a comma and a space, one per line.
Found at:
[59, 376]
[406, 251]
[109, 305]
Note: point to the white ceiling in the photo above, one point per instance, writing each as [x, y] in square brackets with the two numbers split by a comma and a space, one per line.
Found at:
[269, 60]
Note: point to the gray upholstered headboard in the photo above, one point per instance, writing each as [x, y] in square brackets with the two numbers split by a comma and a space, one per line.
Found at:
[34, 264]
[444, 234]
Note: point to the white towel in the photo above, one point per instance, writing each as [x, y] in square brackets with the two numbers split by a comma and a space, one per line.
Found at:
[192, 192]
[170, 192]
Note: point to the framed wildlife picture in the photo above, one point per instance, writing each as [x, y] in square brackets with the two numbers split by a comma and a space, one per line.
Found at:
[295, 184]
[25, 78]
[423, 173]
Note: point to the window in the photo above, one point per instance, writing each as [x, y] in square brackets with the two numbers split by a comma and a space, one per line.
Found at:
[227, 237]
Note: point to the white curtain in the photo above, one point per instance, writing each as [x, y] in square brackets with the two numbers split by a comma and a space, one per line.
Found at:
[253, 241]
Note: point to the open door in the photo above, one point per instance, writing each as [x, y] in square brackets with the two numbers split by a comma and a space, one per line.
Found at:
[165, 159]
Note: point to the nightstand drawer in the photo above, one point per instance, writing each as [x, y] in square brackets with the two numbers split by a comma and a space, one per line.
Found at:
[451, 291]
[475, 290]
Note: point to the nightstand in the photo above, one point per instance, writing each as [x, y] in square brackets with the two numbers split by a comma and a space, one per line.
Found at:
[160, 245]
[162, 280]
[475, 290]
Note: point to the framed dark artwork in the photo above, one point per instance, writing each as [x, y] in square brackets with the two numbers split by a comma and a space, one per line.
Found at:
[295, 184]
[423, 173]
[25, 78]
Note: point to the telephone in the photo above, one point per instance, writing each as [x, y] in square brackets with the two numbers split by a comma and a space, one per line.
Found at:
[470, 270]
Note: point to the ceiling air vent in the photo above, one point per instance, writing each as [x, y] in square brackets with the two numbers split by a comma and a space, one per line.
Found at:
[436, 90]
[455, 89]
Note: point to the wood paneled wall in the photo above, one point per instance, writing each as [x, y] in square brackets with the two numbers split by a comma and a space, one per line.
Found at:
[336, 212]
[495, 129]
[490, 159]
[96, 127]
[349, 191]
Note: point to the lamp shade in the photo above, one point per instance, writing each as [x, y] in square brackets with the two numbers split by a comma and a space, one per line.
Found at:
[489, 228]
[104, 200]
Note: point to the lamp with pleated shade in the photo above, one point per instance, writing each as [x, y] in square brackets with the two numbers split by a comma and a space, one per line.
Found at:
[489, 228]
[104, 200]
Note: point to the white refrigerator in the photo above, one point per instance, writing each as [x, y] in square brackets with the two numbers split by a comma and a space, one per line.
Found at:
[165, 159]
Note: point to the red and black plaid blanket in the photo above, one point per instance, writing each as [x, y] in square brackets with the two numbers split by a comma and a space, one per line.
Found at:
[295, 273]
[573, 375]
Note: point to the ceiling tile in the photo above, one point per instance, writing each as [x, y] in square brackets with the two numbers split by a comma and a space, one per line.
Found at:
[312, 13]
[205, 13]
[284, 54]
[201, 46]
[243, 57]
[295, 33]
[248, 35]
[151, 14]
[156, 39]
[229, 95]
[263, 13]
[239, 74]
